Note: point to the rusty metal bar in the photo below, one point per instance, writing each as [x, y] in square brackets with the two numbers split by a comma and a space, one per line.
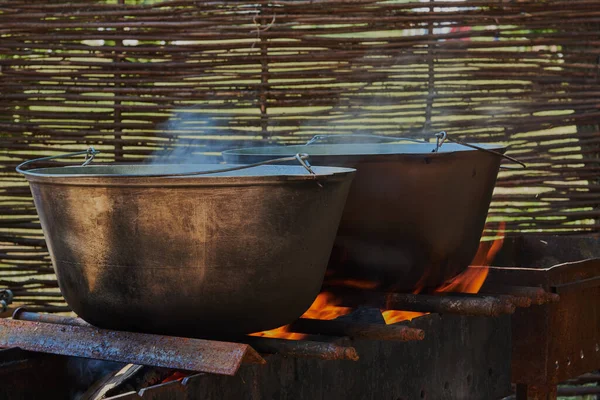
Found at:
[136, 348]
[518, 301]
[22, 314]
[325, 351]
[537, 295]
[357, 330]
[446, 303]
[302, 348]
[487, 306]
[456, 304]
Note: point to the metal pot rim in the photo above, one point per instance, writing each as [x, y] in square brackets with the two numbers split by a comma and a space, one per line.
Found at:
[144, 175]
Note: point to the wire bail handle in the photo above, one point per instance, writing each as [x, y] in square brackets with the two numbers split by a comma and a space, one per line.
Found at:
[442, 137]
[89, 154]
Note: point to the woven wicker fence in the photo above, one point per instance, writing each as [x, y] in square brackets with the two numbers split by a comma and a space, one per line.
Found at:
[137, 78]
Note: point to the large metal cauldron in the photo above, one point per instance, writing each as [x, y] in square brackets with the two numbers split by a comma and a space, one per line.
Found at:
[415, 212]
[227, 253]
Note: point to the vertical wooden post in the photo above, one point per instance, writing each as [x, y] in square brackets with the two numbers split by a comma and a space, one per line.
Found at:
[430, 81]
[117, 118]
[264, 76]
[589, 127]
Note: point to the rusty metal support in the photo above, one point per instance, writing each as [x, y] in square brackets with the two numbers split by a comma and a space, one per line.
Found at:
[518, 301]
[570, 344]
[136, 348]
[486, 306]
[305, 348]
[445, 303]
[357, 330]
[537, 295]
[22, 314]
[470, 305]
[302, 348]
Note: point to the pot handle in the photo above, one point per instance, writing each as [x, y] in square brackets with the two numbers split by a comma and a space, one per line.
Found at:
[443, 136]
[301, 158]
[91, 152]
[366, 139]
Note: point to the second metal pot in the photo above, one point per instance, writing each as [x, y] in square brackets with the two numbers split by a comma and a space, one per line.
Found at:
[415, 212]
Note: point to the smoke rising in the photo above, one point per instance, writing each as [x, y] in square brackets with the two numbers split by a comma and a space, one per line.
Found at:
[198, 137]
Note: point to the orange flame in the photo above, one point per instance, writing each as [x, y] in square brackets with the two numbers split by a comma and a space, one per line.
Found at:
[283, 332]
[176, 376]
[393, 316]
[325, 306]
[470, 281]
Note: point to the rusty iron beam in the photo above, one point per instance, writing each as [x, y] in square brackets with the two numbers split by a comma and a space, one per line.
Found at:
[518, 301]
[537, 295]
[21, 313]
[128, 347]
[357, 330]
[469, 305]
[302, 348]
[446, 303]
[325, 351]
[484, 305]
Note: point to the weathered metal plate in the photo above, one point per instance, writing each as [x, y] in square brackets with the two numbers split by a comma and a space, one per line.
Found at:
[136, 348]
[556, 341]
[459, 358]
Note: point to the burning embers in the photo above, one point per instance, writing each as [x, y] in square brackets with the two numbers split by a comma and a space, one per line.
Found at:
[333, 304]
[325, 307]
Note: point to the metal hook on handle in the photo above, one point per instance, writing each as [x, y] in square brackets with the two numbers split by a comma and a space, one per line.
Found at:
[303, 160]
[90, 154]
[440, 139]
